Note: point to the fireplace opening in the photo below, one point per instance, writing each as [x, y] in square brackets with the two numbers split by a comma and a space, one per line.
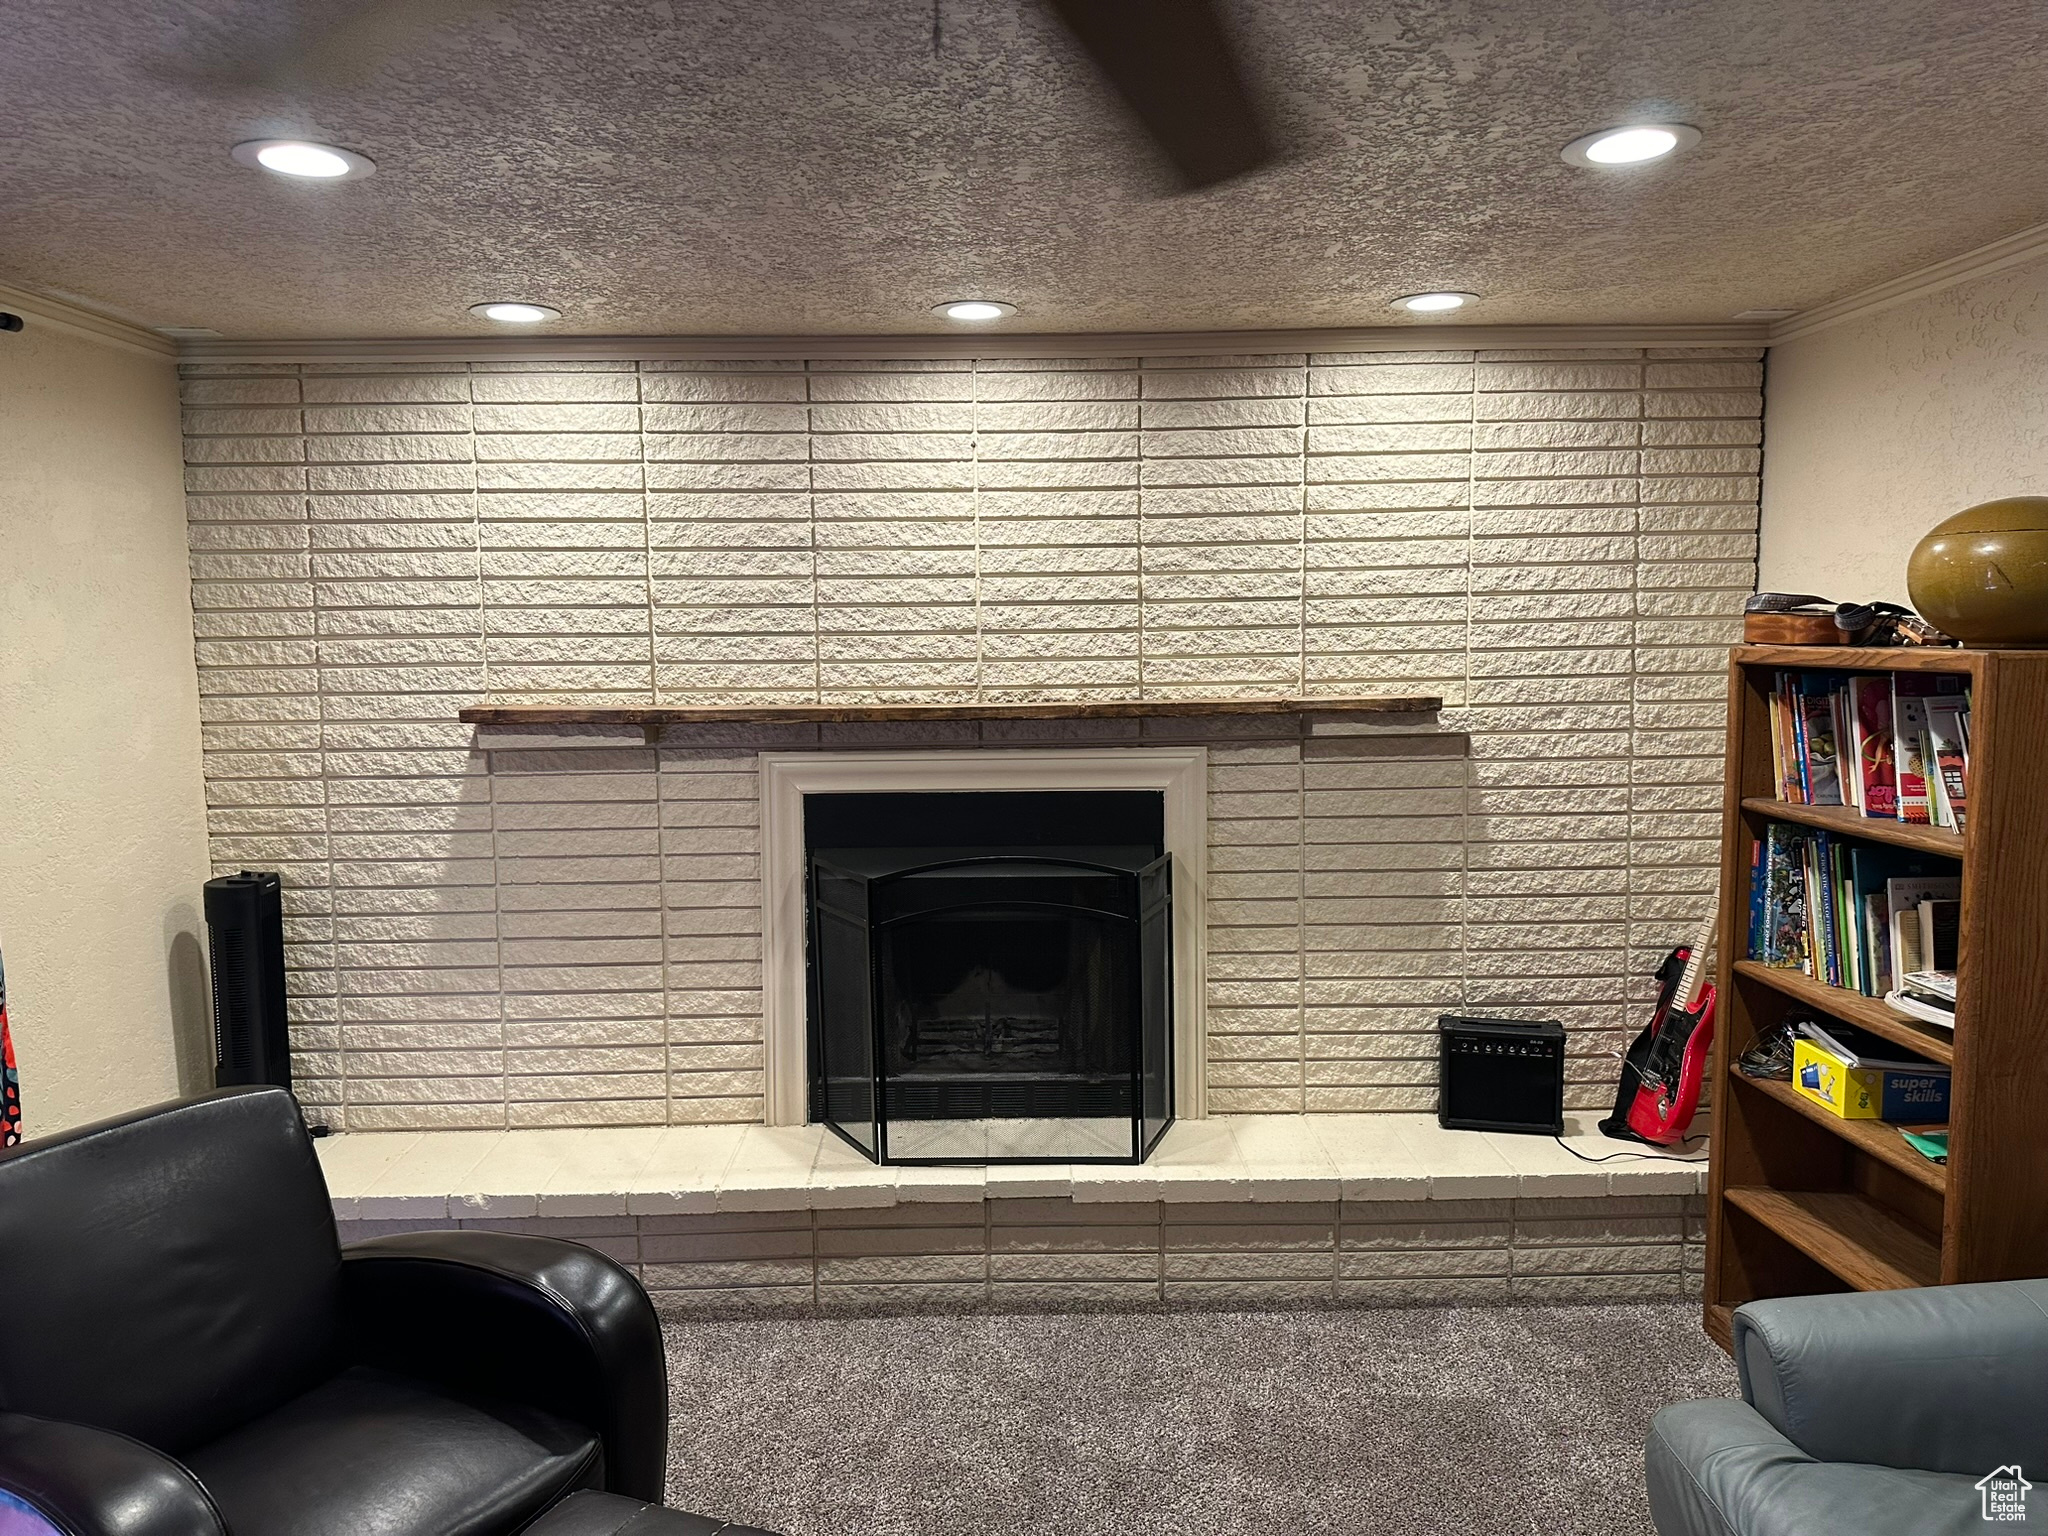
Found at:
[991, 974]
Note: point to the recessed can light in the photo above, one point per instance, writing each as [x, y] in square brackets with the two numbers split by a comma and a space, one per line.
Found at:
[1434, 303]
[974, 309]
[506, 312]
[303, 160]
[1634, 144]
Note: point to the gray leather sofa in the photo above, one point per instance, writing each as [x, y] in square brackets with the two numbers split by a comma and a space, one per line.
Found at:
[1897, 1413]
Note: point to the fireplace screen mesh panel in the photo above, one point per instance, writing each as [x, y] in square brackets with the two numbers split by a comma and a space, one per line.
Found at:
[1155, 1000]
[993, 1007]
[1006, 1002]
[843, 1065]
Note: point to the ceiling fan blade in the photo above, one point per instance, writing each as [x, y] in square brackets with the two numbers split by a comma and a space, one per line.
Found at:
[343, 51]
[1173, 63]
[349, 49]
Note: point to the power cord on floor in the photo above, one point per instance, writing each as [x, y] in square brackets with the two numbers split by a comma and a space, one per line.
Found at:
[1646, 1157]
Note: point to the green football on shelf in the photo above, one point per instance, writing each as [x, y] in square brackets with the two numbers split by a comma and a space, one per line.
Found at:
[1982, 575]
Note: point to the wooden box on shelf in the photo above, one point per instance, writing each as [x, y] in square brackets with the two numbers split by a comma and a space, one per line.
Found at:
[1800, 1201]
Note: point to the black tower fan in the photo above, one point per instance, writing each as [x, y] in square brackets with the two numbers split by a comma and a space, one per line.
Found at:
[245, 934]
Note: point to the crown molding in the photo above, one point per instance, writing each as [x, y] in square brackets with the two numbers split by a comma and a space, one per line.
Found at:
[69, 318]
[2013, 251]
[547, 349]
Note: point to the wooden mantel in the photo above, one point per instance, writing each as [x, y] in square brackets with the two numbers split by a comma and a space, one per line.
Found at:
[502, 715]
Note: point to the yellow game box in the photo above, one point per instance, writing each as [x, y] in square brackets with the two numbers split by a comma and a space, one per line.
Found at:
[1871, 1091]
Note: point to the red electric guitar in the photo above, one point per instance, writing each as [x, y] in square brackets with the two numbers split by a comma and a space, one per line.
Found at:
[1660, 1079]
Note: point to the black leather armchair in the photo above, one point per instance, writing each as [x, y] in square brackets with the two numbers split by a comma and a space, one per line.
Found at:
[185, 1349]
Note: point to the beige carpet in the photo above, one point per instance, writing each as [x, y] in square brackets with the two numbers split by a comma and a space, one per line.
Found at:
[1489, 1421]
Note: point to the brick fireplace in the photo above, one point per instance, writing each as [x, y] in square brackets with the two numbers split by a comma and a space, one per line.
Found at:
[524, 930]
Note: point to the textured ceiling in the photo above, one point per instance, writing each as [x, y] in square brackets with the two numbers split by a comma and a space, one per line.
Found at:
[680, 167]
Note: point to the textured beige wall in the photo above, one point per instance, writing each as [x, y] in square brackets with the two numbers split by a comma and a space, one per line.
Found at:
[1878, 429]
[104, 846]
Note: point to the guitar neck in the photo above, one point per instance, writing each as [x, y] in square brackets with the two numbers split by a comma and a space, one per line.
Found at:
[1696, 964]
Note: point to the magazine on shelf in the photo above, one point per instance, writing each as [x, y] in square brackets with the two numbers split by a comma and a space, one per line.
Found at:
[1821, 909]
[1941, 983]
[1921, 1009]
[1783, 708]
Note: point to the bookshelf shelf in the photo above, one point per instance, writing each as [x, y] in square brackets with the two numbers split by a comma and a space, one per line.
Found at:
[1799, 1201]
[1854, 1238]
[1874, 1137]
[1850, 822]
[1853, 1007]
[1856, 658]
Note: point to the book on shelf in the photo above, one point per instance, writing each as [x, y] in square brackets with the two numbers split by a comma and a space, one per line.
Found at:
[1778, 933]
[1895, 745]
[1855, 915]
[1819, 749]
[1940, 932]
[1911, 933]
[1870, 713]
[1948, 758]
[1913, 744]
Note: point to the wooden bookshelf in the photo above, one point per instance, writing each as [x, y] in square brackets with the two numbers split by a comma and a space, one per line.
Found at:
[1721, 1325]
[1800, 1201]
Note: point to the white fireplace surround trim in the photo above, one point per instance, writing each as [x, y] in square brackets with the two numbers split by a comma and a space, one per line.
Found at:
[1179, 773]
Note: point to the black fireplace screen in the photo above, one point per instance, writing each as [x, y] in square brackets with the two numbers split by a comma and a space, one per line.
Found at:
[976, 1005]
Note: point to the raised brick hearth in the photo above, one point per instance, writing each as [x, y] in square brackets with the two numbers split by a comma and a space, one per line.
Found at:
[1248, 1211]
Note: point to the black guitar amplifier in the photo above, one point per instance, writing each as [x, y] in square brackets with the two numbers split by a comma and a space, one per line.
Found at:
[1500, 1075]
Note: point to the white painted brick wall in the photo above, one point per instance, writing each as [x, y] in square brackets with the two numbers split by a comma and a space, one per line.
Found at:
[1062, 1255]
[1557, 542]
